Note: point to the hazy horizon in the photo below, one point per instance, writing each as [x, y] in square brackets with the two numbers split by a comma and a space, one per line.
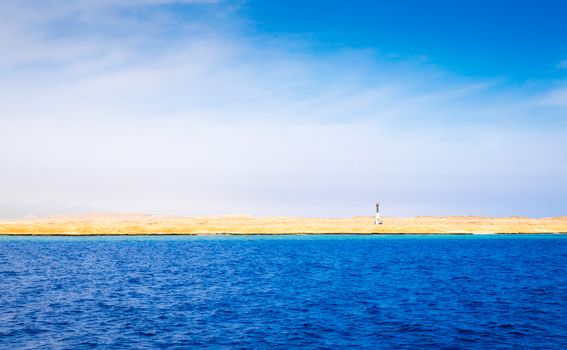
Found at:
[221, 107]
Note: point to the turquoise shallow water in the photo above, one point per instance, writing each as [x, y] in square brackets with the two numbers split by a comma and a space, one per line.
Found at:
[479, 292]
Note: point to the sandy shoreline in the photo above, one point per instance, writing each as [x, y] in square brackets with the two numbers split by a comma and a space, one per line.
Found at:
[141, 224]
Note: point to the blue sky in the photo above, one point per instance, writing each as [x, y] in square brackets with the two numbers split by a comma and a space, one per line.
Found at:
[512, 40]
[316, 108]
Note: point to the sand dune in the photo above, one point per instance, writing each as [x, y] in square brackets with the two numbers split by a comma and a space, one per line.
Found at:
[104, 224]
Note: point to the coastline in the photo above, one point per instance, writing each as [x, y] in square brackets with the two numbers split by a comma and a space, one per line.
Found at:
[143, 224]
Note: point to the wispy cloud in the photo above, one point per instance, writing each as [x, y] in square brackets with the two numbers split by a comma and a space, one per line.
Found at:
[145, 110]
[556, 97]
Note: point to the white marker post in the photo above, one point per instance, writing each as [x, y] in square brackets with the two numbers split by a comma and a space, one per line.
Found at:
[378, 220]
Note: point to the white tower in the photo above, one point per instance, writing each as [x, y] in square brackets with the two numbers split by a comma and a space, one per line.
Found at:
[378, 220]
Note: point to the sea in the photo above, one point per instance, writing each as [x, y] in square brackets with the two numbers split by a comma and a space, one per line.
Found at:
[284, 292]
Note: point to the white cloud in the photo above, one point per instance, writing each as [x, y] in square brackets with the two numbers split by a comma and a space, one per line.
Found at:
[555, 98]
[124, 117]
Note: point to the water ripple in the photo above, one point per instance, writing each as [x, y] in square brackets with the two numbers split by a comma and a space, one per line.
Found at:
[328, 292]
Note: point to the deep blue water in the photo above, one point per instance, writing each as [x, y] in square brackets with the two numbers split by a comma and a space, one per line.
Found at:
[477, 292]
